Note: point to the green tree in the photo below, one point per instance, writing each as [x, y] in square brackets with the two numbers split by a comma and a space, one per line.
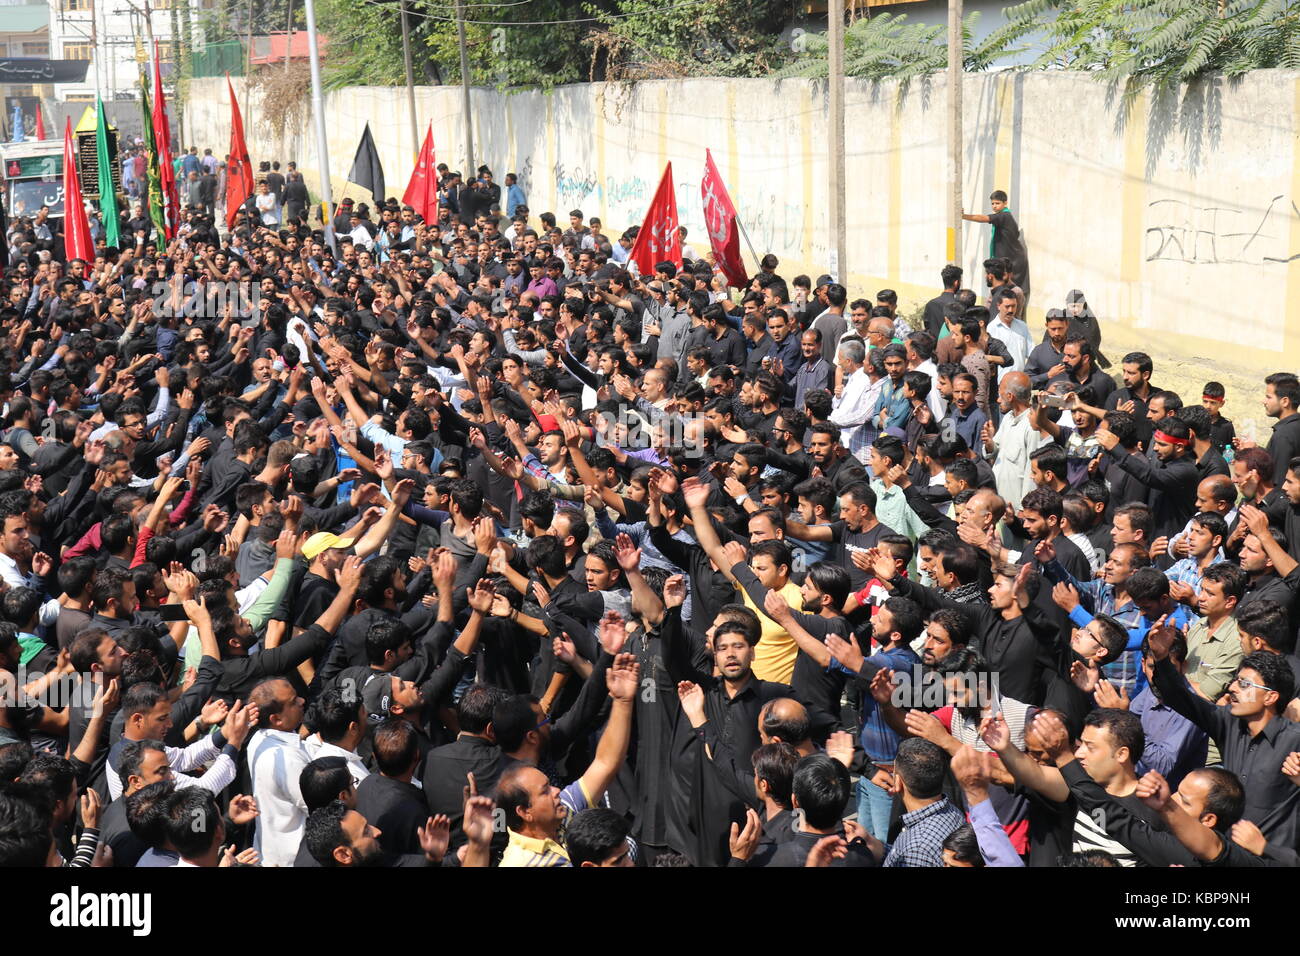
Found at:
[886, 46]
[651, 38]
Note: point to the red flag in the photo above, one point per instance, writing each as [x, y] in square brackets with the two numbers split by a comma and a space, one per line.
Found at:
[239, 173]
[162, 137]
[76, 227]
[422, 191]
[658, 240]
[40, 122]
[720, 220]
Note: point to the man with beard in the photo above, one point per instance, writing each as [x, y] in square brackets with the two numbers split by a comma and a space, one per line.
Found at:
[856, 531]
[1252, 735]
[338, 836]
[713, 782]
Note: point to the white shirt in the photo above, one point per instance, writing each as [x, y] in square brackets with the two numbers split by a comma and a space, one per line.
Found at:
[202, 751]
[1016, 338]
[853, 408]
[1014, 441]
[269, 209]
[933, 398]
[318, 748]
[275, 760]
[15, 578]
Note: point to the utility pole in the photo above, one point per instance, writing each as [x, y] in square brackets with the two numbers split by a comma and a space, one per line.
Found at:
[318, 110]
[956, 54]
[288, 35]
[410, 75]
[835, 36]
[248, 71]
[464, 85]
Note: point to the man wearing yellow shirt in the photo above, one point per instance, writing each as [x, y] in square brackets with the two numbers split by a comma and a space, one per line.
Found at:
[776, 652]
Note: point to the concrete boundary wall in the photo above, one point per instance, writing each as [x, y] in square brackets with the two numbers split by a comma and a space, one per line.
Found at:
[1179, 218]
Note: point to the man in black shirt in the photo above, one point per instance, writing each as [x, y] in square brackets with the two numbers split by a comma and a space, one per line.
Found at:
[856, 532]
[1252, 735]
[387, 798]
[932, 317]
[1171, 479]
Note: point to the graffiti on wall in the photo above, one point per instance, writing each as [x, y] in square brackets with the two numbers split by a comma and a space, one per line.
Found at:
[1221, 235]
[573, 186]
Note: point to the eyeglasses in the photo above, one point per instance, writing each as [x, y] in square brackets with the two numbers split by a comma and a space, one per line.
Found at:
[1242, 682]
[545, 720]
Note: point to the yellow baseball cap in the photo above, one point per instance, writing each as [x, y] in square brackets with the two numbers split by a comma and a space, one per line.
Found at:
[323, 541]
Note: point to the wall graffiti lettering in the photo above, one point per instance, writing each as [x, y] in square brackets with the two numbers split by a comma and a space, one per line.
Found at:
[573, 185]
[1221, 235]
[633, 189]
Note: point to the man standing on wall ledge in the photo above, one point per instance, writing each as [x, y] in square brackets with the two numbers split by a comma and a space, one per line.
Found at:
[1007, 242]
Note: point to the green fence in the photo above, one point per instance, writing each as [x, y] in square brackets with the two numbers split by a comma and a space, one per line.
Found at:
[218, 59]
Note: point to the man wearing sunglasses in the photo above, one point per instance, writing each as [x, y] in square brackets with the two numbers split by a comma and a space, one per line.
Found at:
[1252, 735]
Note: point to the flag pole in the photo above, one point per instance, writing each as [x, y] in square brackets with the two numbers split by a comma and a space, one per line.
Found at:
[745, 235]
[318, 108]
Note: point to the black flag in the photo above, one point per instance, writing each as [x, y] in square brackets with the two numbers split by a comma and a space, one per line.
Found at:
[366, 171]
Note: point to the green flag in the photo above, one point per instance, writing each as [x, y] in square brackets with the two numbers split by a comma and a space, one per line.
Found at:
[153, 178]
[107, 197]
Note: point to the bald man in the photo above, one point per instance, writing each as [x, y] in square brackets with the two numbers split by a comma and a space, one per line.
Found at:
[1014, 441]
[785, 720]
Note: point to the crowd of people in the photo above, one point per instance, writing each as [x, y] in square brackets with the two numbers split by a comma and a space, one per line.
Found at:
[457, 543]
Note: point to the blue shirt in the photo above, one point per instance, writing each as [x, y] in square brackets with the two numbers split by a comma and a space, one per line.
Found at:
[879, 741]
[924, 830]
[514, 199]
[1174, 745]
[896, 402]
[968, 426]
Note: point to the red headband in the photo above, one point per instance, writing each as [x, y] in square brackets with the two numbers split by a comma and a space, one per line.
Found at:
[1169, 439]
[1211, 398]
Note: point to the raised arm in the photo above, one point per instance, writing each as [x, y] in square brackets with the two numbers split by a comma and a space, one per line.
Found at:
[623, 683]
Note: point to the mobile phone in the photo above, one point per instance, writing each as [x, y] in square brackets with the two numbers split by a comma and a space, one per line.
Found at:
[171, 613]
[1050, 400]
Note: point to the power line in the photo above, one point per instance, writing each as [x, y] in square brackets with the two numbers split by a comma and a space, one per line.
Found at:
[549, 23]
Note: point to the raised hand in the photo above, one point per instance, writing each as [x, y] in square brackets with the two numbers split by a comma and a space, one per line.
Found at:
[882, 686]
[563, 649]
[744, 842]
[839, 746]
[995, 732]
[691, 696]
[627, 553]
[847, 652]
[1153, 790]
[1249, 837]
[1055, 738]
[921, 724]
[214, 711]
[776, 606]
[481, 597]
[1291, 768]
[695, 492]
[242, 809]
[1084, 677]
[434, 836]
[1066, 596]
[675, 591]
[622, 677]
[613, 632]
[1045, 551]
[1107, 696]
